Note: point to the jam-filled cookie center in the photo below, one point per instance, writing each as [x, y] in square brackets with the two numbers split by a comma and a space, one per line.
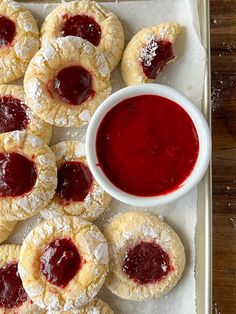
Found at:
[13, 114]
[82, 26]
[60, 261]
[12, 293]
[7, 31]
[74, 85]
[155, 55]
[18, 174]
[74, 181]
[146, 263]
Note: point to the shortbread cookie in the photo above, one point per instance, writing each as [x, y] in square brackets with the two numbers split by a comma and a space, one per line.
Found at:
[13, 298]
[77, 193]
[91, 21]
[63, 263]
[66, 81]
[16, 115]
[19, 40]
[6, 228]
[27, 175]
[97, 306]
[148, 52]
[146, 256]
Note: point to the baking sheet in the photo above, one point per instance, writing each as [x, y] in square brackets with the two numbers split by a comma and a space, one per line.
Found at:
[187, 76]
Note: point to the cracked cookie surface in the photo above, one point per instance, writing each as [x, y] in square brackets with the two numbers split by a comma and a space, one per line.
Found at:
[19, 40]
[62, 240]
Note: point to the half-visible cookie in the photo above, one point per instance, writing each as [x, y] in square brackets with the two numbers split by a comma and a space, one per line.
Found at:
[13, 298]
[91, 21]
[77, 192]
[19, 40]
[63, 263]
[148, 52]
[15, 115]
[66, 81]
[146, 256]
[6, 228]
[28, 175]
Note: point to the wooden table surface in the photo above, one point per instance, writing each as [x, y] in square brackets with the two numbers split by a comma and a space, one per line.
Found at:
[223, 41]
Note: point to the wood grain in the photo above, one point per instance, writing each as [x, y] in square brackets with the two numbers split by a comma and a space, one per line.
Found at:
[223, 41]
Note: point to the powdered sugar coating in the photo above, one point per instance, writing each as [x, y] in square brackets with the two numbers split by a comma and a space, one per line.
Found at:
[127, 230]
[97, 199]
[86, 283]
[16, 57]
[54, 56]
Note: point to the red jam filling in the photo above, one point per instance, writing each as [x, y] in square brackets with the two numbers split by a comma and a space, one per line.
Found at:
[12, 293]
[146, 263]
[74, 181]
[82, 26]
[7, 31]
[17, 174]
[13, 114]
[154, 56]
[60, 262]
[147, 145]
[74, 85]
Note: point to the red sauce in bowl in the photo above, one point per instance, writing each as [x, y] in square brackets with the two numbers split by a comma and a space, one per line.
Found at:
[147, 145]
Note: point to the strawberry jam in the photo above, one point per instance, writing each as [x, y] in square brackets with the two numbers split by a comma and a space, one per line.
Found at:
[12, 293]
[146, 263]
[74, 181]
[60, 261]
[82, 26]
[154, 56]
[18, 174]
[74, 85]
[147, 145]
[13, 114]
[7, 31]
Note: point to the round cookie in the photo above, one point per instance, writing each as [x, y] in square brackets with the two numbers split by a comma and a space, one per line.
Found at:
[97, 306]
[148, 52]
[147, 257]
[77, 193]
[19, 40]
[27, 175]
[6, 228]
[66, 81]
[63, 263]
[91, 21]
[13, 298]
[16, 115]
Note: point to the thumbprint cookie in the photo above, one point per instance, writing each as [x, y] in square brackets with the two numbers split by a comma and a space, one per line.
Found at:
[13, 298]
[66, 81]
[27, 175]
[63, 263]
[15, 115]
[148, 52]
[6, 228]
[88, 20]
[146, 256]
[77, 192]
[19, 40]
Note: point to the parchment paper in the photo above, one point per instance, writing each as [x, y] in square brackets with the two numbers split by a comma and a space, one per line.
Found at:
[186, 75]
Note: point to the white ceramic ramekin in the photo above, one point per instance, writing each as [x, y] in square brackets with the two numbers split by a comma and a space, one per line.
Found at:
[198, 120]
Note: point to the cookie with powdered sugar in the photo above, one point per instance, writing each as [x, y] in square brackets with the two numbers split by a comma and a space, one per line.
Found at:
[148, 52]
[66, 81]
[13, 298]
[28, 175]
[63, 263]
[77, 193]
[15, 115]
[147, 257]
[91, 21]
[19, 40]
